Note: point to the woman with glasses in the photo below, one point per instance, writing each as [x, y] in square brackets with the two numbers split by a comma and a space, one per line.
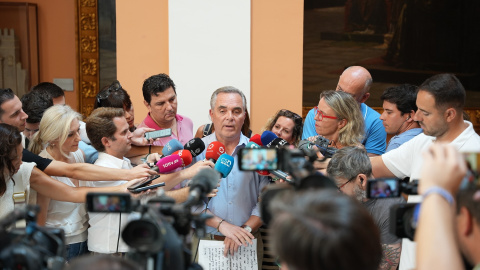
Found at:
[338, 119]
[286, 125]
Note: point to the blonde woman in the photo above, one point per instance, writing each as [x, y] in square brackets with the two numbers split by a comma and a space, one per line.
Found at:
[58, 139]
[338, 119]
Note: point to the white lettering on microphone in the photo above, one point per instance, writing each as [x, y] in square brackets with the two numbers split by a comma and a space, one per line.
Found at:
[226, 162]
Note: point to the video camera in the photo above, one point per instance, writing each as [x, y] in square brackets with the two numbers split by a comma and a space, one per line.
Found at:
[157, 237]
[281, 162]
[405, 216]
[33, 247]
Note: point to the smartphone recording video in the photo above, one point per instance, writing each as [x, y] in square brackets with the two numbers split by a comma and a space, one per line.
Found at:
[109, 202]
[253, 159]
[383, 188]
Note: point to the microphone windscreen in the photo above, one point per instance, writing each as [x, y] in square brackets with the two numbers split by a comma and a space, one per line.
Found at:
[169, 163]
[172, 146]
[195, 146]
[256, 139]
[305, 145]
[277, 143]
[214, 150]
[224, 165]
[205, 179]
[268, 137]
[185, 155]
[252, 145]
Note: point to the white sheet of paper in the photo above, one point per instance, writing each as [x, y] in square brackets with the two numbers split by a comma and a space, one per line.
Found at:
[210, 256]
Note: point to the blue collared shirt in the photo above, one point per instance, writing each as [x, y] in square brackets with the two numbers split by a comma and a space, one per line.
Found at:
[237, 197]
[401, 138]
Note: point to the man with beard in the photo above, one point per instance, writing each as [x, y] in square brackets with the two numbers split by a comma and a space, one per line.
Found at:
[440, 101]
[160, 97]
[351, 169]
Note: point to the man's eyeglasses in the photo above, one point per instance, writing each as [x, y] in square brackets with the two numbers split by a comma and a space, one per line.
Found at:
[344, 184]
[320, 115]
[115, 86]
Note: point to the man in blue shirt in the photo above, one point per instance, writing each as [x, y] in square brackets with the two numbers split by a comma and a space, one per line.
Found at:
[399, 107]
[357, 81]
[235, 208]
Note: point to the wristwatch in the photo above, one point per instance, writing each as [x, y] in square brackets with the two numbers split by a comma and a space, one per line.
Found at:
[247, 228]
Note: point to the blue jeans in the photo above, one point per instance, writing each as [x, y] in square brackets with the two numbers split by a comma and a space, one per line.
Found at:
[77, 249]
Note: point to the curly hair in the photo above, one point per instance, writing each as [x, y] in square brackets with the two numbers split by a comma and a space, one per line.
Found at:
[10, 138]
[345, 107]
[297, 120]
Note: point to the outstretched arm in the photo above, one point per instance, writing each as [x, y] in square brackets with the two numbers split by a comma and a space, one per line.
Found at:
[89, 172]
[59, 191]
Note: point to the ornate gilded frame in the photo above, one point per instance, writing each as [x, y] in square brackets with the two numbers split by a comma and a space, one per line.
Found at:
[87, 54]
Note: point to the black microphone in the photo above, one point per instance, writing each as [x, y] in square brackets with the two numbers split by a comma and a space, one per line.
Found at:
[195, 146]
[202, 183]
[277, 143]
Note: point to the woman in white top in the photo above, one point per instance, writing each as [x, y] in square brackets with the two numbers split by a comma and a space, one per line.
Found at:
[58, 139]
[15, 173]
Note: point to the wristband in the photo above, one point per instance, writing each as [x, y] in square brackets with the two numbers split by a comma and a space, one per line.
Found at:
[218, 227]
[440, 191]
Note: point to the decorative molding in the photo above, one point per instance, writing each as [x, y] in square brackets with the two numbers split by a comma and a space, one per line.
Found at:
[89, 89]
[88, 44]
[87, 51]
[88, 21]
[89, 66]
[88, 3]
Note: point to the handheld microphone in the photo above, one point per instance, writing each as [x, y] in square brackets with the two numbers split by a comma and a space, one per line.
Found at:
[202, 183]
[214, 150]
[256, 139]
[170, 147]
[185, 155]
[267, 137]
[195, 146]
[277, 143]
[168, 164]
[252, 145]
[224, 165]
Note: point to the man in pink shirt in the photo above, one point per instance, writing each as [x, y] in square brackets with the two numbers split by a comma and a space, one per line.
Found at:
[161, 100]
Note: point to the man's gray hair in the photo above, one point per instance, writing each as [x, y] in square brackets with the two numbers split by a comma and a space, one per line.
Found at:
[349, 162]
[227, 89]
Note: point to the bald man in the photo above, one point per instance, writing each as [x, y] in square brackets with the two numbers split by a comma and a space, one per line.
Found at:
[356, 81]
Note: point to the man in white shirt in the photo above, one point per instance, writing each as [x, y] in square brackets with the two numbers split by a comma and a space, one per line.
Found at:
[440, 102]
[109, 133]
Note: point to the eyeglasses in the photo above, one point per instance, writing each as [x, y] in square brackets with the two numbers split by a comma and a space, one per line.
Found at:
[320, 115]
[289, 114]
[340, 187]
[115, 86]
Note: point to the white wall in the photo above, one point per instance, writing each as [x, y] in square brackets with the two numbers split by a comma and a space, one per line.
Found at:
[209, 47]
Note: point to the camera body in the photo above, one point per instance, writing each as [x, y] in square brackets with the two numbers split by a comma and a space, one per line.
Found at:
[156, 237]
[33, 247]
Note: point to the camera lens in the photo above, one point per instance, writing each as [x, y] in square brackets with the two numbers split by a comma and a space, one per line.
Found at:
[143, 235]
